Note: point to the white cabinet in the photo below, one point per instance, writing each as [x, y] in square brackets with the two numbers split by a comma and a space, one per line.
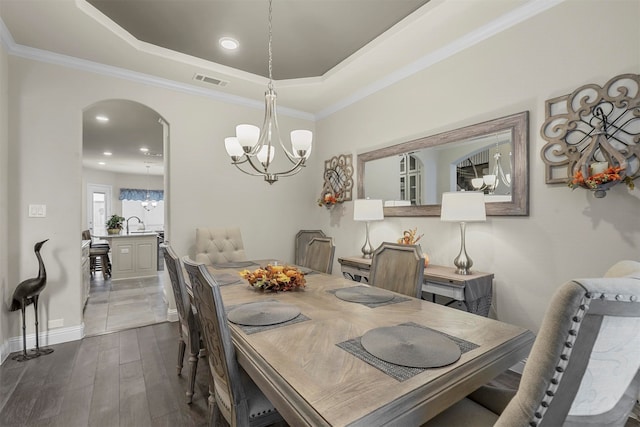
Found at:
[134, 255]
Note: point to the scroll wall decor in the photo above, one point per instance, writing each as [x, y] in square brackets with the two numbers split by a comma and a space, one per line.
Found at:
[338, 181]
[593, 136]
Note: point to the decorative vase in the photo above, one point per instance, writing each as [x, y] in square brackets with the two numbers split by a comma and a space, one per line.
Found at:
[113, 231]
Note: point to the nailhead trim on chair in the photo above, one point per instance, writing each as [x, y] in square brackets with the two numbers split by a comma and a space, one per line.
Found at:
[568, 345]
[562, 362]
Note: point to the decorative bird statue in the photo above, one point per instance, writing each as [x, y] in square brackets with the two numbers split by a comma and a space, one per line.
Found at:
[27, 292]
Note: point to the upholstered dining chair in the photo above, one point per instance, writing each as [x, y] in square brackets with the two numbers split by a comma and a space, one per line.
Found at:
[398, 268]
[319, 256]
[235, 395]
[188, 327]
[583, 369]
[219, 245]
[303, 237]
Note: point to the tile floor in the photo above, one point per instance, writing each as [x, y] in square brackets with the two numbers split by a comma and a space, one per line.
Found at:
[123, 304]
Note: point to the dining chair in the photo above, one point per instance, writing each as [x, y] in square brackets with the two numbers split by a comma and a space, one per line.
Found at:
[303, 237]
[583, 369]
[188, 327]
[398, 268]
[219, 245]
[235, 395]
[319, 255]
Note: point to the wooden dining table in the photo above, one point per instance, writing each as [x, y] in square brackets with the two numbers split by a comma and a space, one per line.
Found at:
[315, 372]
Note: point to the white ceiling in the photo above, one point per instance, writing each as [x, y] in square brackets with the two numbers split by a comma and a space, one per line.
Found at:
[311, 86]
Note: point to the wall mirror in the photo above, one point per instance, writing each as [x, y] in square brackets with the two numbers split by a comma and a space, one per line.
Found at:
[492, 157]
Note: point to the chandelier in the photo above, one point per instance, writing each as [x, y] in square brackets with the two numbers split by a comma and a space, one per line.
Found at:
[147, 203]
[252, 150]
[491, 182]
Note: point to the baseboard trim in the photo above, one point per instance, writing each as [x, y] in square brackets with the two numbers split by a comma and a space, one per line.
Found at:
[51, 337]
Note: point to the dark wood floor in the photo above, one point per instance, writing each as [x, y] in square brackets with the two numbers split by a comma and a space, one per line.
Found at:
[125, 378]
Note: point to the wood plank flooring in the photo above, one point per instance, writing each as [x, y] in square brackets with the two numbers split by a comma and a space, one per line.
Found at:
[126, 378]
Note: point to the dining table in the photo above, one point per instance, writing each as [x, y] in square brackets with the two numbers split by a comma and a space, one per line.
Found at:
[316, 372]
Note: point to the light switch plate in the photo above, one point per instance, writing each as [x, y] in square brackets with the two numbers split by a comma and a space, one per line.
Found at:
[37, 211]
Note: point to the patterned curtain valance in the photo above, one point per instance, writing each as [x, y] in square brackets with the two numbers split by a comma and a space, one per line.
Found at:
[137, 194]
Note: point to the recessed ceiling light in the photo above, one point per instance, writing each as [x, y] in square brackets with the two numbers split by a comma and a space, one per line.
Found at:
[229, 43]
[101, 163]
[144, 149]
[107, 153]
[102, 118]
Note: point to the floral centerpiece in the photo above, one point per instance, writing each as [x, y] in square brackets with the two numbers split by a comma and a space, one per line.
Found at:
[275, 278]
[601, 181]
[328, 200]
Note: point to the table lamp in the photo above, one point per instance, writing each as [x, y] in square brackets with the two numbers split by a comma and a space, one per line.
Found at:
[367, 210]
[463, 207]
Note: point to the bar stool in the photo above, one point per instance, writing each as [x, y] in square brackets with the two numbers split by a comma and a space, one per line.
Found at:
[98, 250]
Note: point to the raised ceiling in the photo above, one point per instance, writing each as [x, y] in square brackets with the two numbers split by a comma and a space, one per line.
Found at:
[327, 54]
[310, 37]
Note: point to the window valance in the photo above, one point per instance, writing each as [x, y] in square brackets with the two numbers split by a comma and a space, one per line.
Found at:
[137, 194]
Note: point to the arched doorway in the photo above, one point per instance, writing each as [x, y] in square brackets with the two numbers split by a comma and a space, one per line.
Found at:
[123, 154]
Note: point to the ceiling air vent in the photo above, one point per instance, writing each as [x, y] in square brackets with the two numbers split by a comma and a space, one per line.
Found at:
[209, 79]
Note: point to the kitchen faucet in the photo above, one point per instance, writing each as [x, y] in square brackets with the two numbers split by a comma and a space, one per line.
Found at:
[139, 220]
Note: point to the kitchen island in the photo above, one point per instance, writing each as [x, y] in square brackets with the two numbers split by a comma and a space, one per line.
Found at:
[133, 255]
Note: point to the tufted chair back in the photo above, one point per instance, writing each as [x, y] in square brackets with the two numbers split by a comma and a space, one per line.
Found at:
[219, 245]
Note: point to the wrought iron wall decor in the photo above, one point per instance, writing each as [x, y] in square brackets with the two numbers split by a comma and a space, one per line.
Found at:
[593, 135]
[338, 180]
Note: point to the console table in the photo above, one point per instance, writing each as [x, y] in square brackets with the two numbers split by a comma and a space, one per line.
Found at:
[474, 290]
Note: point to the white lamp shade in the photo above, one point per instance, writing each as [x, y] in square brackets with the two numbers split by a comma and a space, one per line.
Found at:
[368, 210]
[463, 206]
[301, 140]
[233, 147]
[262, 154]
[247, 135]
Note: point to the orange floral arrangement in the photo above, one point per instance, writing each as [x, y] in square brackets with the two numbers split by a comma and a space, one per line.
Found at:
[329, 199]
[409, 237]
[275, 278]
[593, 182]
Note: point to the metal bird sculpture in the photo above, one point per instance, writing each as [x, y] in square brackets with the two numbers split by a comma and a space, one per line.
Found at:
[27, 292]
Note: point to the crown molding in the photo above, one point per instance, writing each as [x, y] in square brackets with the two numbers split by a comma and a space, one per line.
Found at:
[503, 23]
[528, 10]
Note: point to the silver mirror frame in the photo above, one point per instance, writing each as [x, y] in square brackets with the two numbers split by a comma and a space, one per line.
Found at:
[519, 126]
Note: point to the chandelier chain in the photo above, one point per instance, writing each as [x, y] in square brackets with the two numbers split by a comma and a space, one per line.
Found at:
[270, 52]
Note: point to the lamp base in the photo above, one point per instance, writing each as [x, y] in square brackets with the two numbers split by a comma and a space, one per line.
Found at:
[462, 261]
[367, 248]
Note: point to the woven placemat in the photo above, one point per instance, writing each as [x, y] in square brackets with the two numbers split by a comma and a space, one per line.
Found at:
[396, 299]
[411, 346]
[255, 329]
[263, 313]
[400, 373]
